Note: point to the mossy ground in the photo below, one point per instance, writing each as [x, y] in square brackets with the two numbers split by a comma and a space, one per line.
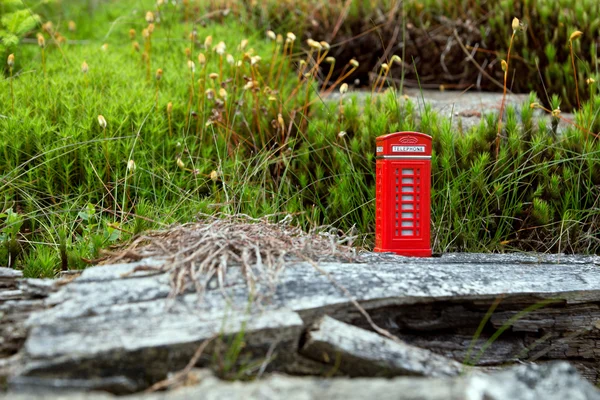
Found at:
[254, 139]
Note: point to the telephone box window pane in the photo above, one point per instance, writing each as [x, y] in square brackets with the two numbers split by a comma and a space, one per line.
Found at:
[408, 197]
[407, 232]
[408, 181]
[408, 171]
[407, 206]
[407, 189]
[407, 224]
[406, 215]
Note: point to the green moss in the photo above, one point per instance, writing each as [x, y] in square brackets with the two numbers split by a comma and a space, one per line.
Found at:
[73, 191]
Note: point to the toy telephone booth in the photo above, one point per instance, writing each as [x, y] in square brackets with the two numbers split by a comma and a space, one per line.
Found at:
[403, 194]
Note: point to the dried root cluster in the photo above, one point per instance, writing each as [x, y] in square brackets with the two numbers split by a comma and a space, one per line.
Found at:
[202, 252]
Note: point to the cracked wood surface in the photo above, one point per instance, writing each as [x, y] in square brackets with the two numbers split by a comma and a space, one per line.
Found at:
[358, 352]
[19, 298]
[557, 381]
[129, 330]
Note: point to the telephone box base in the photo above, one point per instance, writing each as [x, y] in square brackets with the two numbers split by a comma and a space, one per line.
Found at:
[405, 252]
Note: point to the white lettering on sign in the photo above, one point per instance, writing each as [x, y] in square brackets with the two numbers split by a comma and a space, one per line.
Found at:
[408, 149]
[379, 149]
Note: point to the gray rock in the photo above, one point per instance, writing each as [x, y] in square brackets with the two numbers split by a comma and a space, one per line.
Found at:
[557, 381]
[530, 382]
[465, 109]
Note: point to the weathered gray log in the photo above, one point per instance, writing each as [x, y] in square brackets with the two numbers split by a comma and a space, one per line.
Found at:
[127, 328]
[8, 276]
[18, 299]
[557, 381]
[358, 352]
[131, 351]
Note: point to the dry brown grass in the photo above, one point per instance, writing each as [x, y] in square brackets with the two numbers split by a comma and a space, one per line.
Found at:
[199, 252]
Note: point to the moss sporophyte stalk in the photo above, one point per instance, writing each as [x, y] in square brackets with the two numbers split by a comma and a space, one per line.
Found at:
[10, 62]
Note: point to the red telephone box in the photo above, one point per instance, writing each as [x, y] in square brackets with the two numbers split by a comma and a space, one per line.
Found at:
[403, 194]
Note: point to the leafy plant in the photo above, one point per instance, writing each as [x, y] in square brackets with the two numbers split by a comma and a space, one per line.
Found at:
[41, 262]
[16, 20]
[9, 232]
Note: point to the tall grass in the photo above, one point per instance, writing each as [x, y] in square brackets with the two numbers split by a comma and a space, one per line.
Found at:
[255, 138]
[100, 148]
[369, 30]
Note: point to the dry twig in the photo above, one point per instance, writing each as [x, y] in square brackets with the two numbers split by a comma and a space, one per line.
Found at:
[181, 375]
